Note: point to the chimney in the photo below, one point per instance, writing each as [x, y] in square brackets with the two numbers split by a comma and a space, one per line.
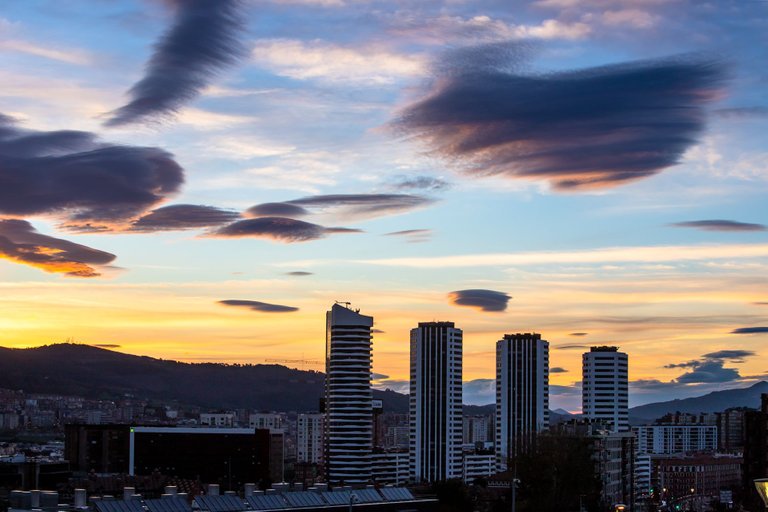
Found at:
[213, 489]
[248, 490]
[171, 489]
[35, 499]
[128, 493]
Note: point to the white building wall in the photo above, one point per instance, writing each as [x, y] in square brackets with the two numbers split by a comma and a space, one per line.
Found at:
[309, 438]
[348, 397]
[605, 387]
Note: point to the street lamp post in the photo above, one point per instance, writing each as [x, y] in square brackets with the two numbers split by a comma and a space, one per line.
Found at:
[761, 484]
[352, 500]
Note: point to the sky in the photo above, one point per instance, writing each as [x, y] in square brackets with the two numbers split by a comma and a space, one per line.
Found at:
[200, 180]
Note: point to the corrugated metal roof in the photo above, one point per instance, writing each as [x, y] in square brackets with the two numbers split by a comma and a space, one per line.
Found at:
[119, 506]
[367, 496]
[304, 499]
[267, 502]
[396, 493]
[223, 503]
[336, 497]
[168, 505]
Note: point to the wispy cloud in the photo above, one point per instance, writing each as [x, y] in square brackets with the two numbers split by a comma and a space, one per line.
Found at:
[420, 182]
[203, 41]
[346, 206]
[70, 56]
[579, 129]
[413, 235]
[602, 255]
[318, 60]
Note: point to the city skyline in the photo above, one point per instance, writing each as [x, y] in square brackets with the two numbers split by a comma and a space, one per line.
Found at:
[151, 228]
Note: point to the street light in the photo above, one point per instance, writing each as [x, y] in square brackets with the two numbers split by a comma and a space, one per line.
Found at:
[352, 500]
[761, 484]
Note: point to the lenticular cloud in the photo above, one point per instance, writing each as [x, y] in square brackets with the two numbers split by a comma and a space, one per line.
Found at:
[588, 128]
[203, 41]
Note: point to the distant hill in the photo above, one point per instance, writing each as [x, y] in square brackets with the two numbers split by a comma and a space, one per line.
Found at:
[712, 402]
[96, 373]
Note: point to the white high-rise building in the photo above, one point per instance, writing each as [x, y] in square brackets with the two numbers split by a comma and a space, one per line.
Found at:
[309, 438]
[348, 409]
[270, 420]
[604, 393]
[436, 402]
[522, 394]
[668, 439]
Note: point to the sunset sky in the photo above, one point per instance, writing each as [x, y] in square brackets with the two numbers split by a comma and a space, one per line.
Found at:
[201, 179]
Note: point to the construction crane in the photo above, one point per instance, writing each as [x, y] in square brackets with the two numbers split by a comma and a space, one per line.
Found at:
[302, 362]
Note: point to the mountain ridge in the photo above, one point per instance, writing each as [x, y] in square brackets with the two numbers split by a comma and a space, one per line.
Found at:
[100, 373]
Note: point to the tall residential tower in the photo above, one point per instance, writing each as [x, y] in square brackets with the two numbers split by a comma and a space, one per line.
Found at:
[348, 409]
[605, 387]
[436, 402]
[522, 394]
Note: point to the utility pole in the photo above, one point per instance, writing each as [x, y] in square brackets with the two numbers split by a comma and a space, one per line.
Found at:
[514, 483]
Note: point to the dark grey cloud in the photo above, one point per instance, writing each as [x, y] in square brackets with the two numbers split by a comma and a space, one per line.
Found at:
[479, 391]
[686, 364]
[106, 345]
[21, 243]
[733, 355]
[573, 347]
[430, 183]
[720, 356]
[377, 331]
[572, 390]
[760, 303]
[203, 41]
[258, 306]
[750, 330]
[72, 174]
[400, 386]
[742, 112]
[299, 273]
[595, 127]
[183, 216]
[558, 369]
[276, 210]
[652, 384]
[710, 368]
[281, 229]
[578, 334]
[485, 300]
[378, 376]
[710, 371]
[720, 225]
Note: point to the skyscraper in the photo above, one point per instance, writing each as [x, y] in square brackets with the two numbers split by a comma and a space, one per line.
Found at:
[522, 393]
[436, 402]
[348, 410]
[604, 387]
